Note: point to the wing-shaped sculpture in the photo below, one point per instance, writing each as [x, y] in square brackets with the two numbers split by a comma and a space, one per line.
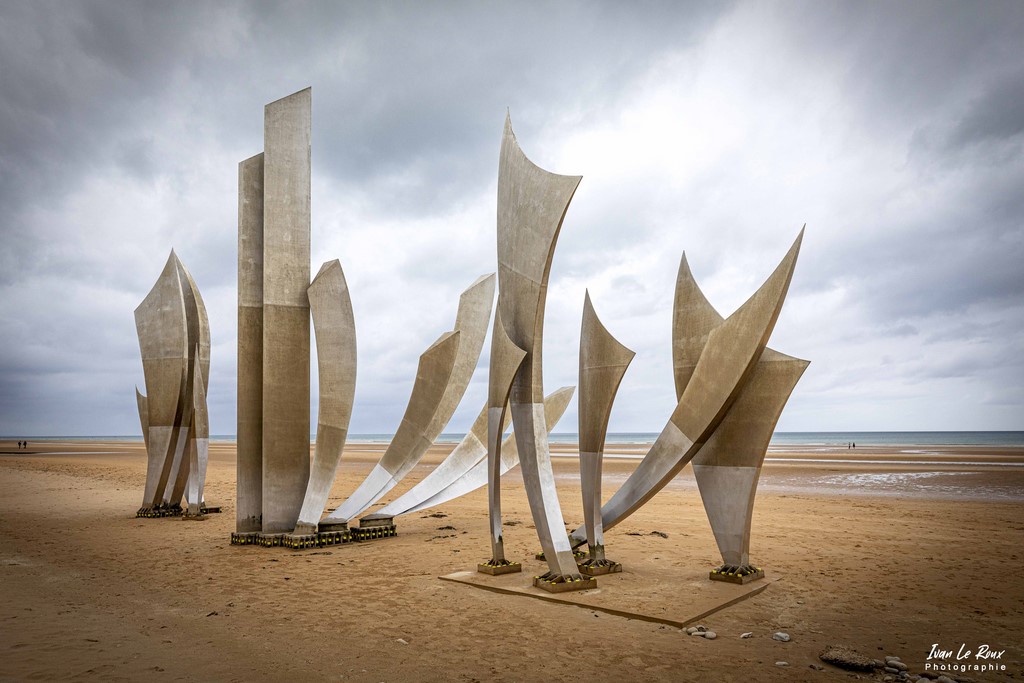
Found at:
[603, 362]
[430, 409]
[477, 477]
[506, 358]
[163, 342]
[463, 457]
[727, 468]
[432, 375]
[334, 325]
[198, 326]
[730, 356]
[531, 207]
[199, 443]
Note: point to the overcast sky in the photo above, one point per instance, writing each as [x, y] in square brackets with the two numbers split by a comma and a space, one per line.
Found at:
[895, 131]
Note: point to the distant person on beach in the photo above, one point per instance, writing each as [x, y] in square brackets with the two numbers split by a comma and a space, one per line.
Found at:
[854, 444]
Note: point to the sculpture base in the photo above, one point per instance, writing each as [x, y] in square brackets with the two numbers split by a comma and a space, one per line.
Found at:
[373, 521]
[321, 539]
[209, 509]
[599, 568]
[189, 517]
[743, 579]
[332, 526]
[373, 532]
[317, 540]
[497, 568]
[244, 538]
[159, 511]
[564, 584]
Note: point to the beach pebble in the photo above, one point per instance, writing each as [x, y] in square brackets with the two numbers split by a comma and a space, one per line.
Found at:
[710, 635]
[781, 663]
[748, 634]
[781, 637]
[403, 641]
[890, 670]
[899, 665]
[889, 679]
[691, 630]
[702, 628]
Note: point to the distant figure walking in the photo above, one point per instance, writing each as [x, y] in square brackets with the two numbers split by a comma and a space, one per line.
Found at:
[20, 445]
[854, 444]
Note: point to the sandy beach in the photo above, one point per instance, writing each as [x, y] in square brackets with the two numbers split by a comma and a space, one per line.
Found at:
[885, 550]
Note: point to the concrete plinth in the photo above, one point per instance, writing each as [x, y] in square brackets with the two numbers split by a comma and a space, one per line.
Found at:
[565, 586]
[646, 591]
[736, 578]
[498, 569]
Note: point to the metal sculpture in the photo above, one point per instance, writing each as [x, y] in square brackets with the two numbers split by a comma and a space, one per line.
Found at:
[727, 468]
[603, 362]
[441, 380]
[729, 357]
[249, 429]
[286, 209]
[465, 469]
[174, 339]
[531, 207]
[334, 326]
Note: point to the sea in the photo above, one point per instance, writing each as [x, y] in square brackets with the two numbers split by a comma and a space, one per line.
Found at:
[999, 438]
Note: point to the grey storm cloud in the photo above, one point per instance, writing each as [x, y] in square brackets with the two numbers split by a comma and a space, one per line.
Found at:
[895, 131]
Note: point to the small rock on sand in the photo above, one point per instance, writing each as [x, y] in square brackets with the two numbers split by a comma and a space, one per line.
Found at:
[710, 635]
[748, 634]
[781, 637]
[781, 663]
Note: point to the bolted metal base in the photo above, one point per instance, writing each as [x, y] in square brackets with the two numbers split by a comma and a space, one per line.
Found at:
[159, 511]
[599, 568]
[320, 539]
[736, 578]
[373, 521]
[564, 584]
[499, 567]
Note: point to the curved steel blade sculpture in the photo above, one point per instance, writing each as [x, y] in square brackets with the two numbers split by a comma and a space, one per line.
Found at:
[174, 339]
[727, 468]
[506, 358]
[198, 446]
[163, 342]
[730, 356]
[475, 476]
[603, 362]
[470, 450]
[198, 326]
[531, 207]
[334, 326]
[440, 385]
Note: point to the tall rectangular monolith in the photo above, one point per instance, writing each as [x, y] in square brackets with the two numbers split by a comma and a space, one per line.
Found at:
[286, 228]
[249, 482]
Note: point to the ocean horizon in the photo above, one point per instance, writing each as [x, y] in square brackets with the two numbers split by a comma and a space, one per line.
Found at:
[891, 438]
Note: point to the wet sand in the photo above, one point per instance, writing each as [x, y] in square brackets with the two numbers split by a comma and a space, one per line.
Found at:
[900, 549]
